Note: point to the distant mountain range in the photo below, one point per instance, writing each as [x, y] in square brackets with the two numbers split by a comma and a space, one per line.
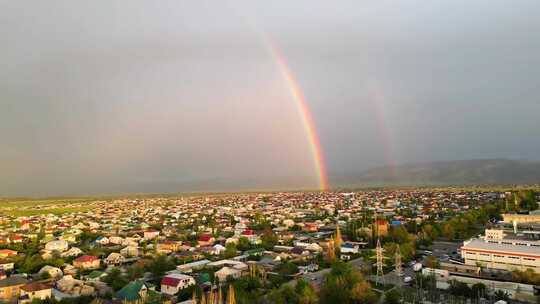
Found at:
[443, 173]
[459, 172]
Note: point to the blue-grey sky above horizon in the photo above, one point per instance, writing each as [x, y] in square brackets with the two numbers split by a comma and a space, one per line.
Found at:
[124, 96]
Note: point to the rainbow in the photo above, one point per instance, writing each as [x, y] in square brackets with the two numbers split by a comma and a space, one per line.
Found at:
[304, 112]
[377, 101]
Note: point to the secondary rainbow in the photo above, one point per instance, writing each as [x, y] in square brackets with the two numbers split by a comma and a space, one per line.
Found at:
[303, 110]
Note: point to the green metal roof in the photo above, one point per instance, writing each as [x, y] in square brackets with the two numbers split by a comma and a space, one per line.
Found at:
[95, 274]
[130, 292]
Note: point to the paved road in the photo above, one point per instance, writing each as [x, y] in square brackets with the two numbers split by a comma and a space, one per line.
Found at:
[393, 278]
[316, 278]
[446, 249]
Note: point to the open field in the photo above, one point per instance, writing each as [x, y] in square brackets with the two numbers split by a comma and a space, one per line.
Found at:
[15, 203]
[55, 211]
[30, 207]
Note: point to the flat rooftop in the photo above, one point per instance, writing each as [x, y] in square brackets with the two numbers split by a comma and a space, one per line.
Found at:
[481, 245]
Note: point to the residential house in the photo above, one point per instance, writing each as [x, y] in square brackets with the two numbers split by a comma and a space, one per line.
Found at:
[35, 291]
[130, 251]
[350, 248]
[73, 287]
[57, 245]
[102, 240]
[311, 227]
[86, 262]
[7, 253]
[135, 292]
[227, 272]
[206, 240]
[10, 287]
[381, 227]
[115, 258]
[116, 240]
[172, 283]
[251, 236]
[168, 246]
[308, 268]
[6, 265]
[68, 237]
[151, 234]
[50, 272]
[218, 249]
[95, 276]
[72, 252]
[16, 239]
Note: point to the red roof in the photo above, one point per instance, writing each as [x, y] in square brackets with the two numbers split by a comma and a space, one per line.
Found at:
[205, 238]
[86, 258]
[8, 252]
[35, 286]
[248, 232]
[170, 281]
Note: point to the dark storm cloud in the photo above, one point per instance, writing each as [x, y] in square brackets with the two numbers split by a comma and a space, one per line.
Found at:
[119, 96]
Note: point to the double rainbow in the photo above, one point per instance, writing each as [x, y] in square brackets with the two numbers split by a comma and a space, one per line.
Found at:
[304, 112]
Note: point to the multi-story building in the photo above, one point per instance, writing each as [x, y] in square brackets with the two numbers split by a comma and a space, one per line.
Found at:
[497, 252]
[521, 218]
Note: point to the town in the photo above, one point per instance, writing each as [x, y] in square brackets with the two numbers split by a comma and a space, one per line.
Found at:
[370, 246]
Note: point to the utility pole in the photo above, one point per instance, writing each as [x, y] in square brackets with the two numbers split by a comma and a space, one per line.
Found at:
[397, 262]
[380, 263]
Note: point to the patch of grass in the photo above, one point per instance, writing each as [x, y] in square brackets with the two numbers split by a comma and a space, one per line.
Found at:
[39, 202]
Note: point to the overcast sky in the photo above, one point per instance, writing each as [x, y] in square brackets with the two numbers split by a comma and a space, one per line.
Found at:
[117, 96]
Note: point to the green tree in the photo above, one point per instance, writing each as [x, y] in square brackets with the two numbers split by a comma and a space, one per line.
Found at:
[306, 293]
[501, 295]
[160, 265]
[392, 297]
[345, 285]
[269, 239]
[243, 244]
[115, 279]
[287, 268]
[478, 290]
[135, 271]
[230, 250]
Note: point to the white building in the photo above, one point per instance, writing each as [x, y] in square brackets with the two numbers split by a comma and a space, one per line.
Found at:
[72, 252]
[115, 258]
[500, 253]
[52, 272]
[116, 240]
[102, 240]
[35, 291]
[172, 283]
[350, 248]
[130, 251]
[58, 245]
[227, 272]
